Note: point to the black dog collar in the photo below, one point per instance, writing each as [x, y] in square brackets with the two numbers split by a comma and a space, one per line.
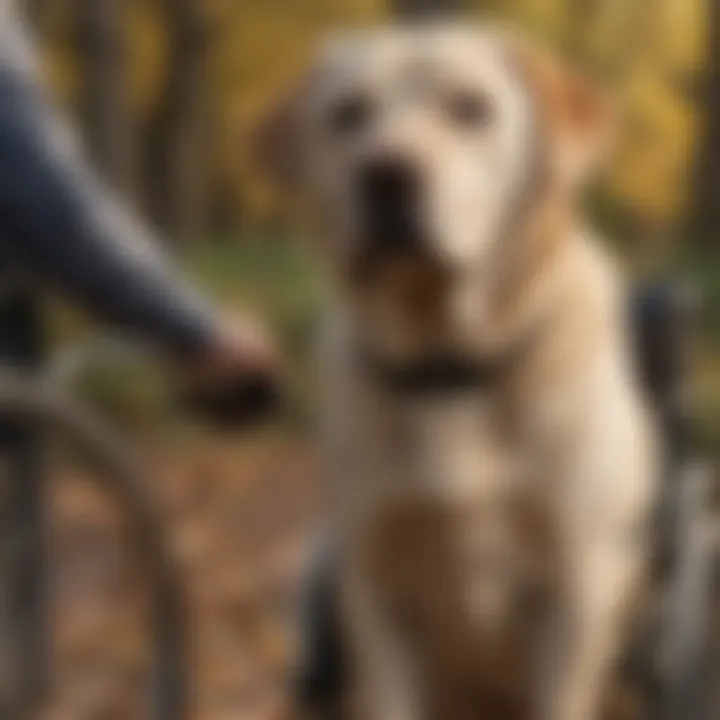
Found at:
[434, 375]
[445, 374]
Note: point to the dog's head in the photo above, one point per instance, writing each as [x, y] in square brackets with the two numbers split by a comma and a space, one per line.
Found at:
[423, 151]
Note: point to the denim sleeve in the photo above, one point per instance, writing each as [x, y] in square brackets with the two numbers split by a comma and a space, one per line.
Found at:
[60, 222]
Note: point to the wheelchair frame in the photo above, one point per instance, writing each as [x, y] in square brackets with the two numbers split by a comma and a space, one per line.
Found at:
[27, 399]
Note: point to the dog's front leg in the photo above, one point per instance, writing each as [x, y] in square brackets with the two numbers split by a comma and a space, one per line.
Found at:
[383, 686]
[587, 638]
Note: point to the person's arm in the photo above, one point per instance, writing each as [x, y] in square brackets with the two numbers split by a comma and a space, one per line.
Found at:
[61, 222]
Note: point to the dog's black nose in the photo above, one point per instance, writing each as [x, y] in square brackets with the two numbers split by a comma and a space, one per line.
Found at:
[389, 203]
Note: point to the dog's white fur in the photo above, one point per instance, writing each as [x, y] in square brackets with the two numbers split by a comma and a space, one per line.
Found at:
[435, 496]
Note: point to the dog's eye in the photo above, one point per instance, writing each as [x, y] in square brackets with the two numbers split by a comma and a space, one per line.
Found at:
[470, 110]
[349, 115]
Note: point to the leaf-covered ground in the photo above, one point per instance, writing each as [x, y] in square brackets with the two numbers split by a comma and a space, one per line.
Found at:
[241, 518]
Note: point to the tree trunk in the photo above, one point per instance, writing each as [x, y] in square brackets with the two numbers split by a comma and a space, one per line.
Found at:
[35, 11]
[177, 136]
[424, 9]
[103, 102]
[705, 216]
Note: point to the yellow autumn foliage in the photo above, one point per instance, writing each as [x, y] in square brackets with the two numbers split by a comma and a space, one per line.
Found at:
[650, 52]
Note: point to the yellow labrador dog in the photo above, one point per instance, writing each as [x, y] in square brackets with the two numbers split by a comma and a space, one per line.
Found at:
[491, 459]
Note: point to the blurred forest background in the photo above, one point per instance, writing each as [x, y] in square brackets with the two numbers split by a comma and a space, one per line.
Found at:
[167, 90]
[165, 93]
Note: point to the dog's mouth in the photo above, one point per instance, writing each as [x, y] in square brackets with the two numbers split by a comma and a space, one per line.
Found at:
[380, 259]
[392, 228]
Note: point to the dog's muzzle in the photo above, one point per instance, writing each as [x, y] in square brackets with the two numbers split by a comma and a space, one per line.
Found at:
[389, 196]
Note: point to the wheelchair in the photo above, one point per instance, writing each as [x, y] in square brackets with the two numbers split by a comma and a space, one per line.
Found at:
[42, 401]
[672, 663]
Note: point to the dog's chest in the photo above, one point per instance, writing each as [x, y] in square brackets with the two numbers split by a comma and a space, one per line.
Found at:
[455, 449]
[464, 592]
[453, 536]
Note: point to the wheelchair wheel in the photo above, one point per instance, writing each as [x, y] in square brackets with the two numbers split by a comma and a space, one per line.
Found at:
[689, 646]
[29, 400]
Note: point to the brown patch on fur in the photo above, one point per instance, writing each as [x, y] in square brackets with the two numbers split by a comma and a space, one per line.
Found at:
[421, 287]
[578, 115]
[466, 662]
[415, 285]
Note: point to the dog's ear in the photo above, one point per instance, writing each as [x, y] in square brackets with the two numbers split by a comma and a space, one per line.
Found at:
[577, 115]
[277, 138]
